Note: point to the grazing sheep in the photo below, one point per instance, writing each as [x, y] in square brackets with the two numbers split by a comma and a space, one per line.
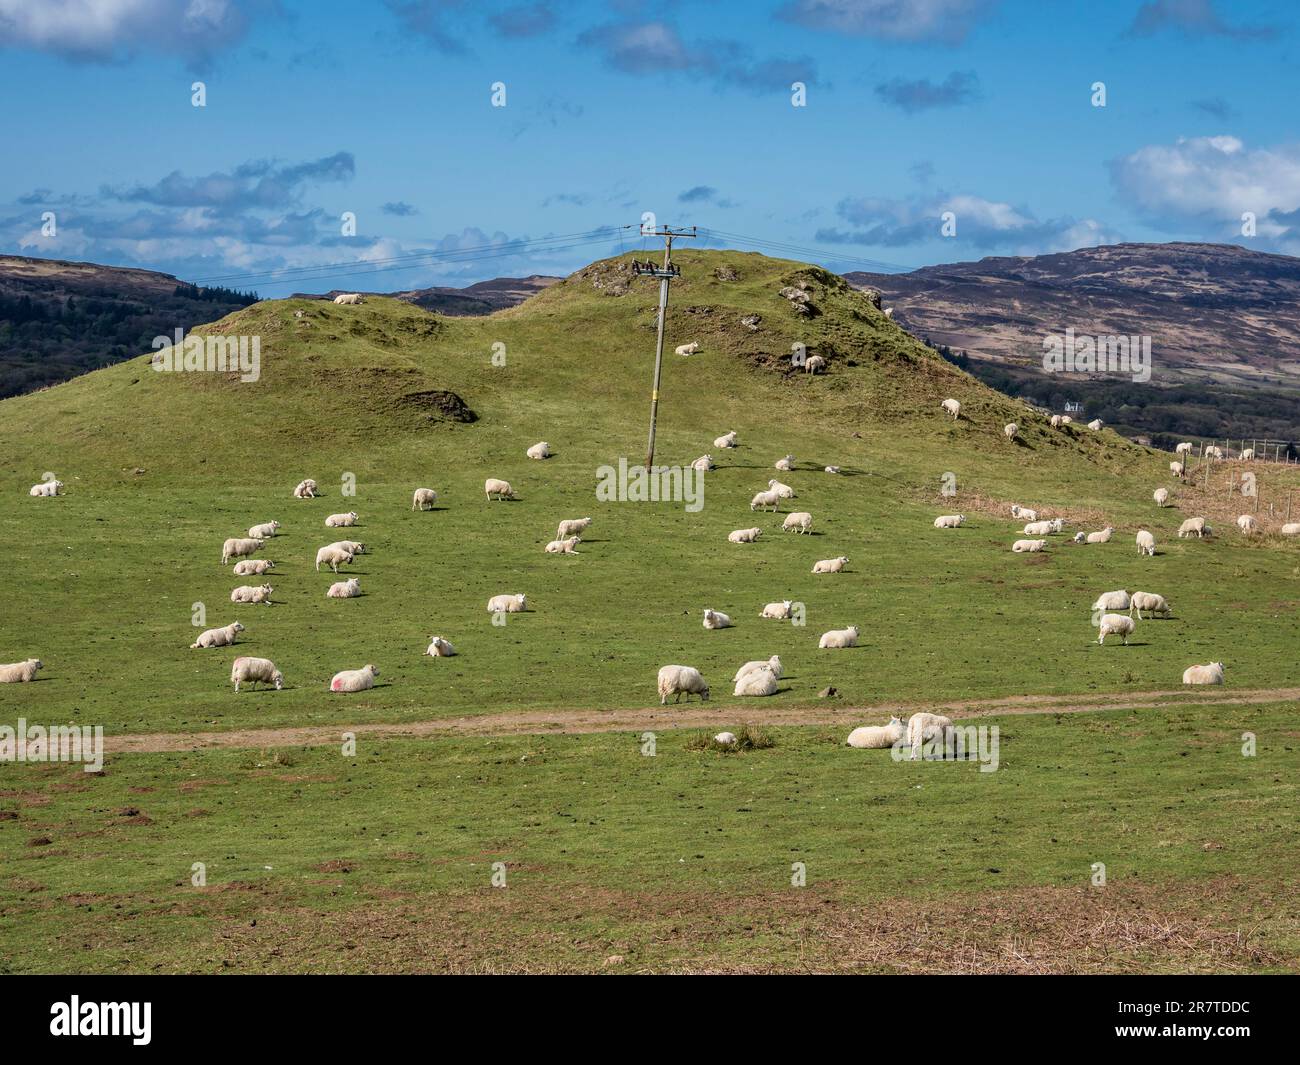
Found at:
[252, 567]
[949, 521]
[1248, 524]
[341, 521]
[772, 664]
[681, 680]
[1146, 543]
[1023, 512]
[354, 680]
[1248, 454]
[1011, 430]
[252, 670]
[839, 638]
[333, 555]
[704, 463]
[1028, 545]
[952, 407]
[239, 547]
[688, 349]
[1066, 420]
[1210, 674]
[729, 440]
[540, 450]
[563, 547]
[1185, 448]
[348, 299]
[785, 465]
[496, 487]
[439, 648]
[783, 490]
[1192, 525]
[831, 565]
[46, 489]
[1213, 452]
[1291, 528]
[726, 739]
[20, 672]
[778, 611]
[571, 527]
[1118, 600]
[348, 589]
[744, 536]
[507, 604]
[252, 593]
[424, 499]
[1056, 421]
[1177, 468]
[832, 469]
[1102, 537]
[875, 737]
[1150, 602]
[924, 728]
[1043, 528]
[1161, 496]
[1115, 625]
[221, 637]
[757, 682]
[264, 531]
[763, 500]
[800, 521]
[814, 364]
[715, 619]
[306, 490]
[1096, 424]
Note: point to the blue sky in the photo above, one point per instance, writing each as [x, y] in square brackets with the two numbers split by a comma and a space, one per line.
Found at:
[614, 108]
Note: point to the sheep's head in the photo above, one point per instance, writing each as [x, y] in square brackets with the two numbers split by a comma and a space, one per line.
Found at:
[37, 664]
[853, 629]
[372, 670]
[238, 627]
[277, 678]
[895, 720]
[704, 695]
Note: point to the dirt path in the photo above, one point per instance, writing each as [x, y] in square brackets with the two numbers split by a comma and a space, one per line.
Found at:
[696, 715]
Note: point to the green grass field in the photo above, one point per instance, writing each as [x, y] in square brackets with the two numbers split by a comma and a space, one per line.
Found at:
[680, 861]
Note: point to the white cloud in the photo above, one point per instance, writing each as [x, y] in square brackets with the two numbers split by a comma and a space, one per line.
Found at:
[947, 21]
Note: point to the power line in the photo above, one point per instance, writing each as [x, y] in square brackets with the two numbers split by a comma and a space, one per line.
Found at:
[878, 265]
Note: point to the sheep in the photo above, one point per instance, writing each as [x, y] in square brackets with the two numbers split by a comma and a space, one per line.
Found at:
[571, 527]
[1192, 525]
[923, 727]
[265, 531]
[832, 469]
[250, 593]
[252, 567]
[306, 490]
[800, 521]
[349, 589]
[1043, 528]
[354, 680]
[839, 638]
[681, 680]
[1023, 512]
[757, 682]
[1248, 524]
[1291, 528]
[507, 604]
[744, 536]
[814, 364]
[540, 450]
[831, 565]
[1177, 468]
[496, 487]
[1161, 496]
[341, 521]
[1213, 452]
[949, 521]
[763, 500]
[20, 672]
[715, 619]
[1102, 537]
[1185, 448]
[953, 407]
[725, 739]
[1096, 424]
[424, 499]
[46, 489]
[729, 440]
[1150, 602]
[1056, 421]
[221, 637]
[1117, 600]
[251, 670]
[1146, 543]
[687, 349]
[348, 299]
[783, 490]
[772, 664]
[1011, 430]
[563, 547]
[786, 464]
[1210, 674]
[239, 547]
[1115, 625]
[1248, 454]
[1028, 545]
[778, 611]
[333, 556]
[439, 648]
[875, 737]
[352, 546]
[704, 463]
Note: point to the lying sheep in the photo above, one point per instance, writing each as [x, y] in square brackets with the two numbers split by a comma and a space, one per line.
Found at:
[439, 648]
[1066, 420]
[1209, 674]
[1248, 524]
[1118, 600]
[252, 567]
[764, 500]
[952, 407]
[785, 465]
[252, 593]
[333, 556]
[238, 547]
[1102, 537]
[571, 527]
[507, 604]
[264, 531]
[495, 487]
[772, 664]
[1023, 512]
[744, 536]
[687, 349]
[704, 463]
[1096, 424]
[1291, 528]
[20, 672]
[348, 299]
[800, 521]
[925, 728]
[221, 637]
[354, 680]
[1115, 625]
[306, 490]
[757, 682]
[783, 490]
[341, 521]
[1150, 602]
[1028, 545]
[563, 547]
[348, 589]
[681, 680]
[778, 611]
[1043, 528]
[726, 739]
[729, 440]
[1193, 525]
[839, 638]
[949, 521]
[1185, 448]
[46, 489]
[831, 565]
[1010, 430]
[832, 469]
[1146, 543]
[424, 499]
[540, 450]
[715, 619]
[252, 670]
[1161, 496]
[875, 737]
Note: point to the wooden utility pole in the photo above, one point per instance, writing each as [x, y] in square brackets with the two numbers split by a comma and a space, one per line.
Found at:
[665, 274]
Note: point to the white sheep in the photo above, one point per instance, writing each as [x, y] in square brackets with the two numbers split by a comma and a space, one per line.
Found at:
[688, 349]
[571, 527]
[354, 680]
[1056, 421]
[1096, 424]
[953, 407]
[1043, 528]
[333, 555]
[239, 547]
[949, 521]
[924, 727]
[1193, 525]
[1209, 674]
[773, 664]
[348, 299]
[1291, 528]
[800, 521]
[1161, 496]
[46, 489]
[252, 567]
[252, 670]
[439, 648]
[1010, 430]
[563, 547]
[221, 637]
[786, 464]
[831, 565]
[306, 490]
[493, 486]
[507, 604]
[757, 682]
[839, 638]
[744, 536]
[832, 469]
[20, 672]
[1066, 420]
[1213, 452]
[1248, 454]
[424, 499]
[1023, 512]
[681, 680]
[1115, 625]
[763, 500]
[540, 450]
[778, 611]
[252, 593]
[1248, 524]
[725, 739]
[1185, 448]
[1150, 602]
[783, 490]
[264, 531]
[875, 737]
[1028, 545]
[729, 440]
[349, 589]
[814, 364]
[1102, 537]
[1117, 600]
[1146, 543]
[1177, 468]
[341, 521]
[715, 619]
[704, 463]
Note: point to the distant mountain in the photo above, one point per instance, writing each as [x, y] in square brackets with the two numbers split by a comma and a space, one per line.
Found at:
[483, 297]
